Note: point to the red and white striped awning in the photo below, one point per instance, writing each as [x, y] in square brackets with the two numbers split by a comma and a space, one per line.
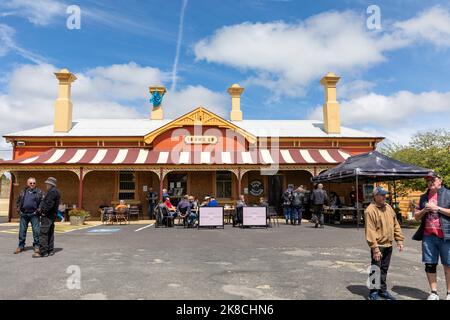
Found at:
[139, 156]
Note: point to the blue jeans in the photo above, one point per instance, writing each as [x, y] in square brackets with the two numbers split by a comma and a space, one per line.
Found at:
[433, 248]
[296, 214]
[191, 219]
[151, 209]
[287, 213]
[25, 219]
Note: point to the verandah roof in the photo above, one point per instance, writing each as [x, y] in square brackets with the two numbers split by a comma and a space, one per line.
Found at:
[141, 156]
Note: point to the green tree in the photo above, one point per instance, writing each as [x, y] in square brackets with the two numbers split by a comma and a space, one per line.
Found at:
[429, 150]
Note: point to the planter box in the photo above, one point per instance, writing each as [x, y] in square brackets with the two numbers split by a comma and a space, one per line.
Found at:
[76, 221]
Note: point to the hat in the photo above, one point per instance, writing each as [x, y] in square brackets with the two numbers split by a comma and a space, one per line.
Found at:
[379, 191]
[432, 175]
[207, 197]
[51, 181]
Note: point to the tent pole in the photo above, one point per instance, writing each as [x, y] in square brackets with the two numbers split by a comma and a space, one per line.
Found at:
[395, 194]
[357, 203]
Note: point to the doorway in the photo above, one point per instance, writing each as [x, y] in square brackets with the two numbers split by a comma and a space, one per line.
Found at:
[275, 192]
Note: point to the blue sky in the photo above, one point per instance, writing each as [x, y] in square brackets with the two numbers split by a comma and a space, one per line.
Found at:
[394, 80]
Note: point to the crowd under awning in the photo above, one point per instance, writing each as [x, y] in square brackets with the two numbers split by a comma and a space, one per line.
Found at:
[141, 156]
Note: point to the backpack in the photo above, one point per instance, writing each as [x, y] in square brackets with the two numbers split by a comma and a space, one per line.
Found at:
[287, 198]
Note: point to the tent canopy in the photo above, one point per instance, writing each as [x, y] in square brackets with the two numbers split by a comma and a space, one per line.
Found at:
[371, 167]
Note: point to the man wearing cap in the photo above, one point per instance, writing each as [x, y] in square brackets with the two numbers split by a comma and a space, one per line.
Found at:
[27, 205]
[48, 210]
[434, 214]
[382, 228]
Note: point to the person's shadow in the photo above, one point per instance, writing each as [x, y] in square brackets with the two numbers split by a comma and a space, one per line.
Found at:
[413, 293]
[410, 292]
[55, 250]
[359, 290]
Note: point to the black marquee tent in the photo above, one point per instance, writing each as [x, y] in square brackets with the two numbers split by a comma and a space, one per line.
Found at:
[370, 167]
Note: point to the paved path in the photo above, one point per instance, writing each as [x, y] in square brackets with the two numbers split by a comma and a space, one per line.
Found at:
[286, 262]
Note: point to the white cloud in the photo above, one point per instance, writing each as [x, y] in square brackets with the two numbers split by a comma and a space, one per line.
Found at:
[287, 57]
[397, 116]
[180, 102]
[354, 89]
[38, 12]
[431, 25]
[116, 91]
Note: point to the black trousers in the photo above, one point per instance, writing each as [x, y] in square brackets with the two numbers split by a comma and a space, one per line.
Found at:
[383, 265]
[47, 235]
[318, 212]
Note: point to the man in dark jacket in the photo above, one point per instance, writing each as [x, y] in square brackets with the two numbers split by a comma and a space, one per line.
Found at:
[434, 231]
[27, 205]
[152, 198]
[48, 210]
[298, 198]
[319, 198]
[287, 202]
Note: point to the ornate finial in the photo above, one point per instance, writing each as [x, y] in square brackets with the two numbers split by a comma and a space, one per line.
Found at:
[157, 93]
[156, 98]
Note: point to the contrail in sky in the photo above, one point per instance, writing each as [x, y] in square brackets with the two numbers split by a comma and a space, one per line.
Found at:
[177, 54]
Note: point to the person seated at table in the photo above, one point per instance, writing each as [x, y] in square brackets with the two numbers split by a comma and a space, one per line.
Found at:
[121, 207]
[169, 204]
[61, 211]
[205, 201]
[194, 203]
[335, 202]
[240, 204]
[184, 208]
[163, 215]
[213, 202]
[263, 202]
[170, 207]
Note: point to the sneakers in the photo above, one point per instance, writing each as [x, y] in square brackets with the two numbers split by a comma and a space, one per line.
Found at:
[448, 296]
[36, 250]
[386, 295]
[18, 250]
[434, 296]
[374, 296]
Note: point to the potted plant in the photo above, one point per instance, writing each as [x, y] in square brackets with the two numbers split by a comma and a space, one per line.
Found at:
[78, 216]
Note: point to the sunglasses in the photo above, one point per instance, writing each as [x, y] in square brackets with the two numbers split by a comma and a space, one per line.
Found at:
[31, 182]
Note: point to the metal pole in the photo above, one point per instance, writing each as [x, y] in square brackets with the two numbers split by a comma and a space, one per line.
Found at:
[395, 194]
[357, 203]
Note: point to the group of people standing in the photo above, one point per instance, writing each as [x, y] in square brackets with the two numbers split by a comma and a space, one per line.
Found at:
[296, 200]
[40, 209]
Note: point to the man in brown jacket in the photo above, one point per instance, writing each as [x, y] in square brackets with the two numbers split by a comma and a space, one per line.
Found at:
[382, 228]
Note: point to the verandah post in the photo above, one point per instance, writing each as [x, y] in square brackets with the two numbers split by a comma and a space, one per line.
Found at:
[80, 190]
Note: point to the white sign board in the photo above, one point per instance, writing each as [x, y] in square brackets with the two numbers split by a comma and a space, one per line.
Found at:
[254, 216]
[210, 217]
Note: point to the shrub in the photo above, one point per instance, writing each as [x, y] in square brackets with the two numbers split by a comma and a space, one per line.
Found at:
[79, 213]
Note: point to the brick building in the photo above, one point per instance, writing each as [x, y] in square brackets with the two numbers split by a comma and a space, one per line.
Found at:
[100, 161]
